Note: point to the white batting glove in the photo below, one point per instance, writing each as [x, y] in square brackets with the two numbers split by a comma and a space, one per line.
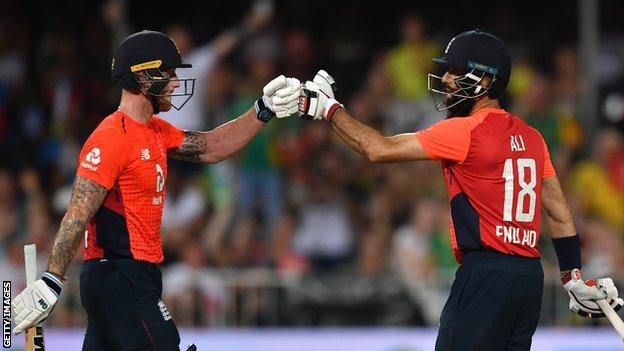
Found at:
[584, 294]
[34, 304]
[285, 99]
[279, 98]
[317, 99]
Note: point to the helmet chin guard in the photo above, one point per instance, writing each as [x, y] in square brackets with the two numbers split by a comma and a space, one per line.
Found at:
[154, 81]
[468, 87]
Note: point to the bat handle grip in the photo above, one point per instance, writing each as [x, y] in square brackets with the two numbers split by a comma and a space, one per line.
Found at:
[613, 317]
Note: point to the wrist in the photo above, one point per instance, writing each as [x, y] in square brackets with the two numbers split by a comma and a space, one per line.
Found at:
[568, 250]
[53, 281]
[574, 274]
[263, 109]
[331, 106]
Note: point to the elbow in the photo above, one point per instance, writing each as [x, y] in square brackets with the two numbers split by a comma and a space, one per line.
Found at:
[376, 154]
[374, 157]
[381, 150]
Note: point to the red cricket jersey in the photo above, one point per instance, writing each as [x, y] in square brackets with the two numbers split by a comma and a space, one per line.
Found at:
[130, 160]
[493, 166]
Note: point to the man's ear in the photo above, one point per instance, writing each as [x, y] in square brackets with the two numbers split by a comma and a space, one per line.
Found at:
[486, 81]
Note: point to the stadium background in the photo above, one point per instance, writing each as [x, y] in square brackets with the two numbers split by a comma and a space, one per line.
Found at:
[297, 232]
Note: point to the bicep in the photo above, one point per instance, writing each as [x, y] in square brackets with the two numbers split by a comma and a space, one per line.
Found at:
[402, 148]
[86, 198]
[448, 139]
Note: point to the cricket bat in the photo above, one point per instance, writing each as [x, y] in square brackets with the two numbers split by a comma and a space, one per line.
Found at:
[613, 317]
[34, 335]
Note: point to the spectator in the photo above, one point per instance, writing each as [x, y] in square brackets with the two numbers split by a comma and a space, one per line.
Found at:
[325, 232]
[590, 181]
[292, 202]
[414, 251]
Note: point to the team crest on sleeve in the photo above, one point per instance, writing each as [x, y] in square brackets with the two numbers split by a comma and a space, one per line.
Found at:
[92, 159]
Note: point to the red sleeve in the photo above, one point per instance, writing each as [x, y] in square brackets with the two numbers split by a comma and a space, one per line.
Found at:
[549, 170]
[103, 157]
[172, 135]
[448, 139]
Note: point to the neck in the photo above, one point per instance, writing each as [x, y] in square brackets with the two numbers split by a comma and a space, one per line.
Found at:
[137, 106]
[484, 103]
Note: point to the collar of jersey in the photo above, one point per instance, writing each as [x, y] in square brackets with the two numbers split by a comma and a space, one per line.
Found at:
[131, 120]
[487, 110]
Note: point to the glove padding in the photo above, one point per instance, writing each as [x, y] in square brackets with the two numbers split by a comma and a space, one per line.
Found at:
[285, 99]
[286, 92]
[584, 294]
[317, 99]
[33, 305]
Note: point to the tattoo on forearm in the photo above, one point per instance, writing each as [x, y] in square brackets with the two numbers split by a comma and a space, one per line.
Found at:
[192, 147]
[87, 196]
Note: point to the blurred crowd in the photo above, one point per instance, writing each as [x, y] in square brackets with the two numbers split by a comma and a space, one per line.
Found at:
[334, 239]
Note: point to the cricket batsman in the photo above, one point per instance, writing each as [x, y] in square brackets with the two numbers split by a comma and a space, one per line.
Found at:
[118, 197]
[498, 175]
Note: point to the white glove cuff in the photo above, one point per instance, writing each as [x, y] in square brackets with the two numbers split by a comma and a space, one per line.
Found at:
[571, 279]
[331, 106]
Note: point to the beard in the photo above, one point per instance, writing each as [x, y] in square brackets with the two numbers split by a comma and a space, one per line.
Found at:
[461, 109]
[164, 103]
[160, 103]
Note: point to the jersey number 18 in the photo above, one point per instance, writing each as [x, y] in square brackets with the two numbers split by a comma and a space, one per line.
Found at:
[527, 189]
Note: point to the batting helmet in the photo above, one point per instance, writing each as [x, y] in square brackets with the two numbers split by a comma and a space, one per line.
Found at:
[153, 53]
[478, 54]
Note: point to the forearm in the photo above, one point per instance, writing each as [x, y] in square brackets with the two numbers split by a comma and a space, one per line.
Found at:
[230, 137]
[225, 140]
[87, 196]
[66, 244]
[220, 143]
[558, 215]
[561, 227]
[358, 136]
[559, 219]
